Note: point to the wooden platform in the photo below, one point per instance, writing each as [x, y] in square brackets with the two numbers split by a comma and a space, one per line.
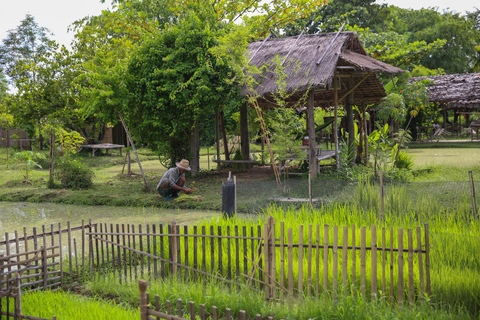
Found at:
[105, 146]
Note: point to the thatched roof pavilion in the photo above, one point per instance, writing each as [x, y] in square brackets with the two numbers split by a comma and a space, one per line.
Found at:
[319, 59]
[314, 61]
[454, 91]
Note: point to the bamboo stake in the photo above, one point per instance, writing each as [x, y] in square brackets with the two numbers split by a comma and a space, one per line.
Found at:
[290, 262]
[317, 262]
[325, 258]
[410, 266]
[400, 267]
[420, 265]
[335, 262]
[354, 260]
[309, 258]
[345, 258]
[134, 150]
[363, 245]
[374, 262]
[300, 260]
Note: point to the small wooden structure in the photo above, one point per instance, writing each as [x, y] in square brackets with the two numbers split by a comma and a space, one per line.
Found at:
[331, 68]
[105, 146]
[457, 92]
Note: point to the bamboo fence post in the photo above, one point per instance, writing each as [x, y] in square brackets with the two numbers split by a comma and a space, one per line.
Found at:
[266, 253]
[420, 265]
[290, 262]
[173, 245]
[374, 262]
[354, 261]
[391, 265]
[363, 245]
[60, 250]
[51, 180]
[345, 258]
[76, 255]
[69, 238]
[410, 267]
[191, 308]
[203, 315]
[427, 259]
[44, 267]
[237, 252]
[154, 243]
[214, 313]
[300, 260]
[472, 188]
[273, 259]
[325, 258]
[383, 261]
[83, 247]
[282, 256]
[335, 262]
[400, 266]
[309, 258]
[142, 286]
[180, 308]
[317, 262]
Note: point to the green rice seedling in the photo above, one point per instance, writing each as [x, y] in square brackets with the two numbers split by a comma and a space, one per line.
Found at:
[65, 305]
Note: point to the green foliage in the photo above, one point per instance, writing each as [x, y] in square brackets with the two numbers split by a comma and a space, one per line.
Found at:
[404, 160]
[69, 141]
[67, 305]
[175, 75]
[73, 174]
[28, 159]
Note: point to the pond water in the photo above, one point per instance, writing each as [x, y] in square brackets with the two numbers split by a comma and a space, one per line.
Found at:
[16, 215]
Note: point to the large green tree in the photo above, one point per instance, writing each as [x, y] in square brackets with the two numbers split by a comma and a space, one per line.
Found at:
[179, 78]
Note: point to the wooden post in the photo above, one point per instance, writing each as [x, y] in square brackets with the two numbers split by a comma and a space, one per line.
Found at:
[335, 122]
[51, 180]
[244, 141]
[173, 244]
[208, 159]
[365, 134]
[472, 188]
[134, 150]
[312, 156]
[350, 122]
[142, 286]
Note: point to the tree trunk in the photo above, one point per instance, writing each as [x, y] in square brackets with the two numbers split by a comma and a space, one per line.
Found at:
[224, 136]
[195, 148]
[350, 122]
[245, 143]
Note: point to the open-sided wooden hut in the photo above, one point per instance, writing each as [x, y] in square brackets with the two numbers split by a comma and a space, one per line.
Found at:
[454, 91]
[311, 63]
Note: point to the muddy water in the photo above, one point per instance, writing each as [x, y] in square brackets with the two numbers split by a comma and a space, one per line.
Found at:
[16, 215]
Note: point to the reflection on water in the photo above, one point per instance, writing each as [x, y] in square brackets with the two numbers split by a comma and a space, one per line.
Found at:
[16, 215]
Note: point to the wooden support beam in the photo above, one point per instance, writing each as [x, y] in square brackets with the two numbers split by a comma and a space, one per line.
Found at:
[245, 143]
[355, 86]
[312, 159]
[335, 122]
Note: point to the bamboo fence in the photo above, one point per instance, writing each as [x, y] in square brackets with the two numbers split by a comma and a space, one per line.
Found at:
[284, 262]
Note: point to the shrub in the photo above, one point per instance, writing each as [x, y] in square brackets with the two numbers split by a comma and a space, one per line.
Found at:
[405, 160]
[73, 174]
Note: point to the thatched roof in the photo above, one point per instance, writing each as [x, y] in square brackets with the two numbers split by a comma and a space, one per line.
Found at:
[454, 91]
[303, 71]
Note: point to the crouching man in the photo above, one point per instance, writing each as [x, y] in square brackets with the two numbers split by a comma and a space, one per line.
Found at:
[173, 181]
